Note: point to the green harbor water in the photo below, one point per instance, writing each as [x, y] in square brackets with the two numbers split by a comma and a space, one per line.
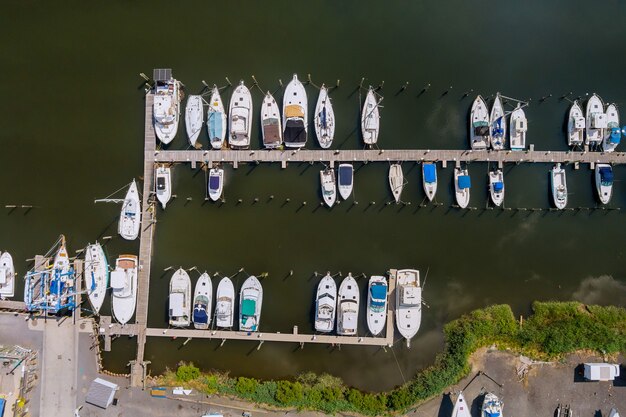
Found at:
[73, 119]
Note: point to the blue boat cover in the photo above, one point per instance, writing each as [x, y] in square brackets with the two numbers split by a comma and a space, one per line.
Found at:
[215, 125]
[494, 414]
[323, 117]
[498, 186]
[56, 286]
[379, 291]
[430, 173]
[345, 175]
[464, 181]
[248, 307]
[606, 174]
[2, 402]
[199, 314]
[615, 135]
[214, 183]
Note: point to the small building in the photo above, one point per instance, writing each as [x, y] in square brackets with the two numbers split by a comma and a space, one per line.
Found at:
[601, 371]
[101, 393]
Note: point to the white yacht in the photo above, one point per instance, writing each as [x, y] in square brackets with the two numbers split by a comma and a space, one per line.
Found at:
[194, 119]
[408, 303]
[328, 186]
[250, 303]
[496, 186]
[180, 299]
[462, 185]
[270, 122]
[96, 274]
[345, 180]
[324, 119]
[130, 216]
[163, 184]
[497, 124]
[216, 183]
[429, 179]
[202, 302]
[377, 304]
[7, 276]
[240, 117]
[518, 128]
[370, 118]
[559, 186]
[612, 135]
[124, 285]
[325, 304]
[225, 304]
[596, 121]
[604, 182]
[479, 125]
[216, 120]
[166, 108]
[348, 307]
[492, 406]
[461, 408]
[575, 126]
[396, 181]
[295, 114]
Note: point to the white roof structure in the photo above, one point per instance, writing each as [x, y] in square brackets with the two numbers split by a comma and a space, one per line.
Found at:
[101, 393]
[601, 371]
[176, 304]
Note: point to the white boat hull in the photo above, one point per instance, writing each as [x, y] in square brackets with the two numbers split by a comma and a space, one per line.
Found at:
[202, 302]
[396, 181]
[517, 129]
[166, 110]
[216, 183]
[225, 304]
[408, 303]
[496, 191]
[497, 125]
[130, 216]
[326, 305]
[124, 296]
[345, 180]
[595, 133]
[271, 127]
[96, 273]
[295, 114]
[461, 408]
[324, 120]
[612, 119]
[163, 185]
[575, 126]
[180, 299]
[376, 305]
[370, 119]
[479, 120]
[328, 186]
[240, 118]
[251, 291]
[462, 194]
[348, 307]
[7, 276]
[216, 120]
[604, 189]
[559, 187]
[430, 187]
[194, 118]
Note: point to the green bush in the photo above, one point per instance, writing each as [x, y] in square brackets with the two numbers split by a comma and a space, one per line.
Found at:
[246, 386]
[186, 373]
[289, 393]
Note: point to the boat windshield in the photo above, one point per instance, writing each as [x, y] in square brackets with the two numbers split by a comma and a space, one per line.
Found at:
[214, 183]
[345, 175]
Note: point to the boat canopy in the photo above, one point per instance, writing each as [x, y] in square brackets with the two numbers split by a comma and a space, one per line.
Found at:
[325, 312]
[349, 320]
[430, 173]
[498, 186]
[215, 125]
[345, 175]
[599, 121]
[481, 128]
[606, 175]
[579, 122]
[3, 276]
[294, 110]
[176, 304]
[379, 291]
[295, 131]
[520, 125]
[118, 279]
[410, 296]
[214, 182]
[271, 132]
[248, 307]
[200, 315]
[615, 135]
[464, 181]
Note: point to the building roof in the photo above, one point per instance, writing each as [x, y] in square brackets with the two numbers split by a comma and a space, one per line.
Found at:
[101, 393]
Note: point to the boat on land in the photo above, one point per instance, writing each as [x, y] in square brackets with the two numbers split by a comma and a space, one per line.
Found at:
[324, 120]
[518, 128]
[328, 186]
[7, 276]
[370, 118]
[613, 412]
[496, 186]
[345, 180]
[559, 186]
[240, 117]
[396, 181]
[225, 303]
[492, 406]
[166, 109]
[96, 274]
[180, 299]
[575, 126]
[124, 284]
[202, 302]
[163, 184]
[596, 121]
[497, 123]
[408, 303]
[461, 408]
[479, 124]
[270, 122]
[429, 179]
[612, 135]
[462, 186]
[130, 216]
[250, 302]
[325, 304]
[216, 183]
[376, 304]
[194, 119]
[295, 114]
[216, 120]
[348, 307]
[604, 182]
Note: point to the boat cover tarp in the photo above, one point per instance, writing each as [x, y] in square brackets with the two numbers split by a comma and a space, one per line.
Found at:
[214, 183]
[56, 286]
[520, 125]
[464, 181]
[294, 131]
[498, 186]
[3, 275]
[606, 174]
[615, 135]
[101, 393]
[379, 291]
[410, 296]
[271, 132]
[248, 307]
[176, 304]
[430, 174]
[323, 117]
[294, 110]
[200, 315]
[345, 175]
[599, 121]
[481, 130]
[215, 125]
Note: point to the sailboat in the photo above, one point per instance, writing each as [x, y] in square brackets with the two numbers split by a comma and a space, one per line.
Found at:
[479, 124]
[166, 109]
[497, 123]
[348, 307]
[328, 186]
[130, 216]
[376, 304]
[408, 303]
[604, 182]
[370, 118]
[462, 185]
[519, 126]
[96, 275]
[124, 284]
[202, 298]
[575, 126]
[225, 303]
[270, 122]
[496, 186]
[613, 412]
[596, 121]
[396, 181]
[492, 406]
[461, 409]
[163, 184]
[324, 119]
[180, 299]
[194, 118]
[429, 179]
[216, 183]
[250, 302]
[61, 284]
[240, 117]
[295, 114]
[559, 186]
[7, 276]
[325, 304]
[612, 135]
[216, 120]
[345, 180]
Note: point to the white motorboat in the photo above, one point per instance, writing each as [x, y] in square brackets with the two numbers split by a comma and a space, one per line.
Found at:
[462, 185]
[370, 118]
[270, 122]
[240, 117]
[612, 135]
[124, 285]
[496, 186]
[180, 299]
[461, 408]
[596, 121]
[604, 182]
[96, 274]
[7, 276]
[497, 124]
[429, 179]
[163, 184]
[216, 120]
[225, 304]
[575, 126]
[348, 307]
[492, 406]
[345, 180]
[130, 216]
[328, 186]
[295, 114]
[250, 303]
[518, 128]
[408, 303]
[166, 109]
[396, 181]
[202, 302]
[216, 183]
[194, 119]
[324, 119]
[325, 304]
[377, 304]
[479, 125]
[559, 186]
[613, 412]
